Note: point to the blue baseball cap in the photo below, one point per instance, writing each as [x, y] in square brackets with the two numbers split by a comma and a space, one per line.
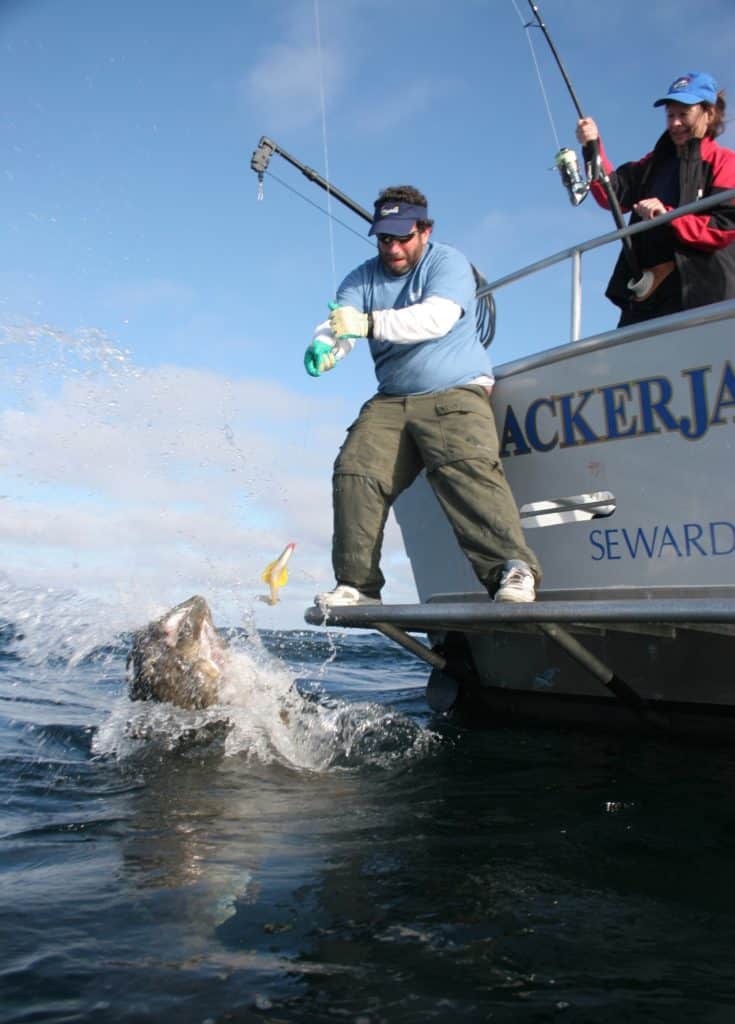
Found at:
[693, 87]
[394, 218]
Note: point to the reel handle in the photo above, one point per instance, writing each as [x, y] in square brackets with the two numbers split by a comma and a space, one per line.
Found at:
[592, 161]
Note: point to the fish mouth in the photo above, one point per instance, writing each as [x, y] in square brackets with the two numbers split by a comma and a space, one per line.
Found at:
[178, 658]
[211, 646]
[190, 620]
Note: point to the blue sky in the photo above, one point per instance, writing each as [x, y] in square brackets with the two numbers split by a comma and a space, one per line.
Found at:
[158, 434]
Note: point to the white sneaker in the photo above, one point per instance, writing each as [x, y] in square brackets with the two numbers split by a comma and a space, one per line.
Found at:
[516, 584]
[343, 596]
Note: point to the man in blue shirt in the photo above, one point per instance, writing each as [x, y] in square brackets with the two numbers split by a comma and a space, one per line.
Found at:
[415, 303]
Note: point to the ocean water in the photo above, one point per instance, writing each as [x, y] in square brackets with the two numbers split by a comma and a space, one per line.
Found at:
[321, 848]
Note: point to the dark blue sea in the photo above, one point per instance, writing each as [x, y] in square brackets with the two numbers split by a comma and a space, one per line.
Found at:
[340, 854]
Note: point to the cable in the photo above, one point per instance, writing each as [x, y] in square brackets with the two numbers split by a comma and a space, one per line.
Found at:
[319, 208]
[324, 140]
[526, 27]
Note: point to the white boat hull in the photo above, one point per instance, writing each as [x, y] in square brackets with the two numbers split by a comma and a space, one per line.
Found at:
[635, 430]
[645, 415]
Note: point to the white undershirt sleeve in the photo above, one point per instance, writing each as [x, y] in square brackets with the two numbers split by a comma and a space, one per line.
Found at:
[424, 321]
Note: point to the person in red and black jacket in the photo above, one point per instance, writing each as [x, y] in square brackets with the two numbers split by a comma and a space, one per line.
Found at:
[693, 257]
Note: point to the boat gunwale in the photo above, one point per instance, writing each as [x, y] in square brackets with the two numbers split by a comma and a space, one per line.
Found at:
[649, 329]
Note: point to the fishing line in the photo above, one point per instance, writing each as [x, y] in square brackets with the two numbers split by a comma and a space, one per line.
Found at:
[324, 141]
[641, 282]
[526, 27]
[316, 206]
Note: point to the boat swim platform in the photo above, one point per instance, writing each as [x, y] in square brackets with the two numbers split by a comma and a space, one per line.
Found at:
[478, 612]
[645, 657]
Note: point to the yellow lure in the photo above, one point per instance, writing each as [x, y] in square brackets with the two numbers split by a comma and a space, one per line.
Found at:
[275, 574]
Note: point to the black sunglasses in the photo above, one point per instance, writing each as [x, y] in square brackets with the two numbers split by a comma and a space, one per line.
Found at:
[402, 239]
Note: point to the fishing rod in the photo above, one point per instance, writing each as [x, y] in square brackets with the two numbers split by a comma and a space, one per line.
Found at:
[266, 148]
[566, 163]
[261, 158]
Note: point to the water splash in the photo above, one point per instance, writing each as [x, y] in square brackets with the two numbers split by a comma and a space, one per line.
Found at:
[51, 625]
[87, 351]
[272, 720]
[264, 718]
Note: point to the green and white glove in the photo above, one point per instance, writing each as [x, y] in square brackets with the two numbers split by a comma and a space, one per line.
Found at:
[319, 357]
[348, 322]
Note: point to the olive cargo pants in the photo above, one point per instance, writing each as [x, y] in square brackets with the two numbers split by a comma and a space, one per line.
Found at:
[452, 433]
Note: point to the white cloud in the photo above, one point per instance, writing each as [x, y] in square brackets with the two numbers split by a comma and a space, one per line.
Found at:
[286, 83]
[156, 484]
[383, 118]
[320, 46]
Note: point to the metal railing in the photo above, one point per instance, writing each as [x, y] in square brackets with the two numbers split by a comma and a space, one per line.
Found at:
[574, 253]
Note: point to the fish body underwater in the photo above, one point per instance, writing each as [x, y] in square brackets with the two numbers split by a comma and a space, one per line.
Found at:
[178, 658]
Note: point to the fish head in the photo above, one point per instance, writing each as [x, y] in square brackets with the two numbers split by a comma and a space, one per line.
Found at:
[178, 657]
